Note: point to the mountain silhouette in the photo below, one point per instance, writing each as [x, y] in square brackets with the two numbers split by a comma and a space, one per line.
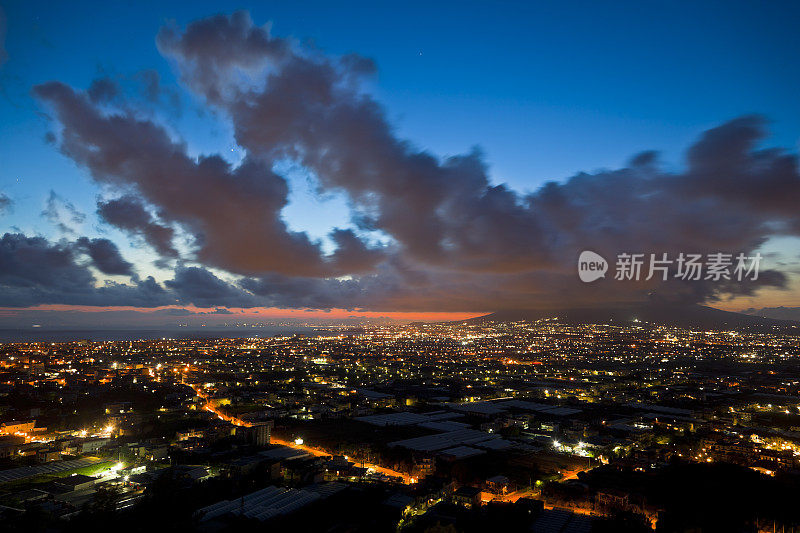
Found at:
[683, 316]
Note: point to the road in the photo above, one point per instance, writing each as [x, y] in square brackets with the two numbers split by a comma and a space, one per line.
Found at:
[305, 447]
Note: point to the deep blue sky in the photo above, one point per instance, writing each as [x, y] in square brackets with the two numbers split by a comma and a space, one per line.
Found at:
[545, 89]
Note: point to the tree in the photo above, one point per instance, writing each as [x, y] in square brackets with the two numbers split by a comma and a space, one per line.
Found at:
[439, 528]
[105, 499]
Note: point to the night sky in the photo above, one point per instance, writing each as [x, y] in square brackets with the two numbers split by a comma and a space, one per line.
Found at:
[166, 160]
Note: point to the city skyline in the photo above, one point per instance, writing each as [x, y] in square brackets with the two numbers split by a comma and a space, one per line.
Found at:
[541, 426]
[430, 267]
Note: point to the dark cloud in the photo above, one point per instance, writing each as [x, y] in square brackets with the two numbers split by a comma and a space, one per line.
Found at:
[128, 214]
[156, 92]
[151, 84]
[35, 262]
[302, 105]
[35, 271]
[105, 256]
[461, 238]
[6, 203]
[281, 291]
[210, 50]
[202, 288]
[778, 313]
[102, 90]
[234, 213]
[352, 255]
[458, 241]
[727, 164]
[62, 213]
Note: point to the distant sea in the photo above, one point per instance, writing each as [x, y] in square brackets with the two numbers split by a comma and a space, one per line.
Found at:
[65, 335]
